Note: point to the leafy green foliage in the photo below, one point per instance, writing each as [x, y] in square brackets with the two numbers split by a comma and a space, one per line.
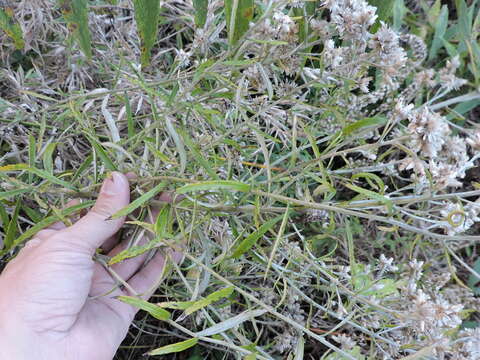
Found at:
[201, 8]
[75, 13]
[11, 27]
[147, 14]
[156, 311]
[174, 348]
[238, 14]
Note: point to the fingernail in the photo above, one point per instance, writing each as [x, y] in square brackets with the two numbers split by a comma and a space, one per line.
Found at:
[113, 184]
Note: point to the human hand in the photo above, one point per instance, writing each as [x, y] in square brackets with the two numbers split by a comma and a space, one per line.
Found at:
[57, 303]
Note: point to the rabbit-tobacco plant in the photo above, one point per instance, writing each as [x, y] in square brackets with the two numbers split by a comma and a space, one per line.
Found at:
[358, 233]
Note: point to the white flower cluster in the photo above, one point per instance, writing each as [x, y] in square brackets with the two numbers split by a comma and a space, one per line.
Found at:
[352, 18]
[446, 155]
[433, 317]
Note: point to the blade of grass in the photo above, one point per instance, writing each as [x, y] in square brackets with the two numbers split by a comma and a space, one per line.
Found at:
[139, 201]
[174, 348]
[213, 297]
[251, 239]
[238, 14]
[156, 311]
[147, 13]
[214, 185]
[201, 8]
[75, 13]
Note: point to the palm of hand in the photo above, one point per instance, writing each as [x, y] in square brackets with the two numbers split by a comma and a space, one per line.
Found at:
[60, 302]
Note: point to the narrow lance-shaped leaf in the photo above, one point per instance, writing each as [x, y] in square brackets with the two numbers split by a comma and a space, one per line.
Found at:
[238, 14]
[134, 251]
[201, 9]
[147, 13]
[215, 296]
[251, 239]
[75, 13]
[11, 27]
[139, 201]
[48, 157]
[12, 227]
[156, 311]
[174, 348]
[41, 173]
[440, 29]
[231, 322]
[214, 185]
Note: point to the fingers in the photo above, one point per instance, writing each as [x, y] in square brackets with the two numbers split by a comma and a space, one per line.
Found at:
[95, 227]
[128, 267]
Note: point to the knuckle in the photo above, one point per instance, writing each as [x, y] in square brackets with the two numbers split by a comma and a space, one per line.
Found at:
[104, 211]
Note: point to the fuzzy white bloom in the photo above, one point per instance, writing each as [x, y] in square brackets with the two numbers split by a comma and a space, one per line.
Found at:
[386, 264]
[286, 28]
[429, 131]
[448, 80]
[345, 341]
[352, 18]
[434, 316]
[332, 56]
[183, 57]
[387, 44]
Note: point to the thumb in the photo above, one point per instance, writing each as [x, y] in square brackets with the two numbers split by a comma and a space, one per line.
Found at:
[96, 227]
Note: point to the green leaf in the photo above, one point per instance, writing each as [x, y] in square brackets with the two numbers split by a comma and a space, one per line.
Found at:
[156, 311]
[213, 297]
[102, 154]
[135, 251]
[12, 193]
[147, 13]
[473, 281]
[201, 9]
[364, 123]
[440, 29]
[163, 222]
[48, 157]
[139, 201]
[75, 13]
[372, 195]
[214, 185]
[303, 14]
[370, 177]
[399, 12]
[231, 322]
[251, 239]
[41, 173]
[177, 305]
[32, 154]
[11, 27]
[174, 348]
[238, 14]
[464, 27]
[178, 144]
[197, 156]
[11, 230]
[384, 11]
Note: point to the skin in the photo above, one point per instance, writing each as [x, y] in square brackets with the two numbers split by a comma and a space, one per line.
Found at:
[57, 303]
